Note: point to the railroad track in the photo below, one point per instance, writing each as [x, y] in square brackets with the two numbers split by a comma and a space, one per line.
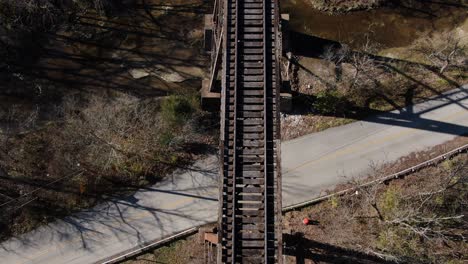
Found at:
[251, 197]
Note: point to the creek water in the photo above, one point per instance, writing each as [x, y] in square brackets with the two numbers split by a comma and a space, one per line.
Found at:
[391, 27]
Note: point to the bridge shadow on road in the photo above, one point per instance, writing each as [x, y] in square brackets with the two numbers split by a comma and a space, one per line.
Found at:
[405, 114]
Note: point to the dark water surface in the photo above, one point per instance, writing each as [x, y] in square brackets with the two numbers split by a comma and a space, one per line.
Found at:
[391, 27]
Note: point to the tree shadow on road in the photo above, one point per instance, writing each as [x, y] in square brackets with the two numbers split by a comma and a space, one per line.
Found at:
[136, 218]
[306, 249]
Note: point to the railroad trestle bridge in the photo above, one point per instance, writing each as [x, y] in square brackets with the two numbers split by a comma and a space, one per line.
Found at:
[245, 48]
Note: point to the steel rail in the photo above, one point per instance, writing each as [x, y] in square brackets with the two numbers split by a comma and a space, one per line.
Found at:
[278, 52]
[265, 129]
[234, 163]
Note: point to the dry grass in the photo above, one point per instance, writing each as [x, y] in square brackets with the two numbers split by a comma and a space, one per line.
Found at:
[189, 250]
[101, 146]
[78, 125]
[293, 126]
[351, 223]
[346, 85]
[382, 221]
[343, 6]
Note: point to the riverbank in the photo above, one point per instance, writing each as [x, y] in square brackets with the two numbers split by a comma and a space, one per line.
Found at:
[339, 6]
[351, 65]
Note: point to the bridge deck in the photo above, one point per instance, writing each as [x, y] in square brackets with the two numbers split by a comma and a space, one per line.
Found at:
[251, 201]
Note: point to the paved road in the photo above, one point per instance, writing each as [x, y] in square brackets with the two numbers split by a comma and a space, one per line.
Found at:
[310, 164]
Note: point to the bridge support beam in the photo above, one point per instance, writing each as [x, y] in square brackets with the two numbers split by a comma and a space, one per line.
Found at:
[286, 103]
[210, 101]
[211, 87]
[209, 33]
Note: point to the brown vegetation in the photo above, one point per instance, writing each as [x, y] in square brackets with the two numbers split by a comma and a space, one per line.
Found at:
[98, 147]
[444, 51]
[188, 250]
[343, 84]
[341, 6]
[106, 103]
[421, 219]
[334, 6]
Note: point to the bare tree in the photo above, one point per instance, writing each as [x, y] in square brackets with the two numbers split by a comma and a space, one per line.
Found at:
[335, 54]
[416, 215]
[443, 51]
[356, 69]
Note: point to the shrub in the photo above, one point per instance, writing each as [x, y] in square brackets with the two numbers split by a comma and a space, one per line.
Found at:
[444, 51]
[334, 202]
[166, 138]
[329, 102]
[401, 243]
[177, 109]
[390, 201]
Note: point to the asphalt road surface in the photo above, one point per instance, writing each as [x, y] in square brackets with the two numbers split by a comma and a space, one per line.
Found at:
[189, 198]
